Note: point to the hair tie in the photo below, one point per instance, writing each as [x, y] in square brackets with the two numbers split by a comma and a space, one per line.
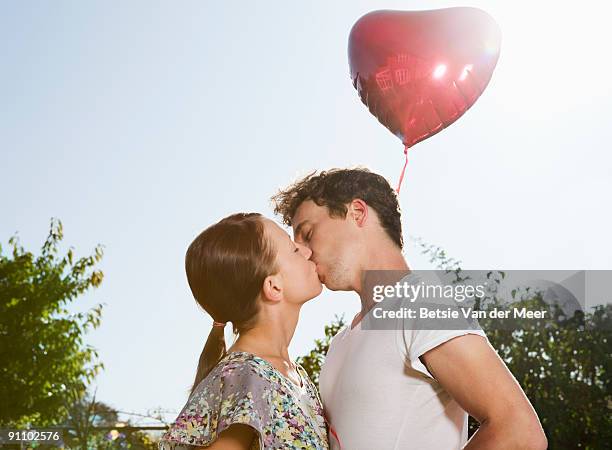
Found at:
[219, 324]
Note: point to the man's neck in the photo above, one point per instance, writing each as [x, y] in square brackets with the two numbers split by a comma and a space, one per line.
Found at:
[384, 258]
[386, 265]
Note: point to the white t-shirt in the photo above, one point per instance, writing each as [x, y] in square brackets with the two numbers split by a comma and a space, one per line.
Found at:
[378, 395]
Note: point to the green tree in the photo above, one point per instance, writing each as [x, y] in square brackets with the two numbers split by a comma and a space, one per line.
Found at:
[45, 366]
[562, 363]
[92, 424]
[314, 359]
[564, 367]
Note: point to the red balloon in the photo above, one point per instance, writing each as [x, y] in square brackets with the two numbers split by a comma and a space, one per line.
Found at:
[418, 72]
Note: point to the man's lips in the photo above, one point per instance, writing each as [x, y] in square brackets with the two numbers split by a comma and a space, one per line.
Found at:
[318, 270]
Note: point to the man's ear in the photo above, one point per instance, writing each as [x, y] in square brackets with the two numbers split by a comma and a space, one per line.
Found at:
[358, 209]
[272, 288]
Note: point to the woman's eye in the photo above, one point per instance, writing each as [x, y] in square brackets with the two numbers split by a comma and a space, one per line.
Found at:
[309, 236]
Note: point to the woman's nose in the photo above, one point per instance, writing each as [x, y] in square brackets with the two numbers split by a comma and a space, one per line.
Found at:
[305, 251]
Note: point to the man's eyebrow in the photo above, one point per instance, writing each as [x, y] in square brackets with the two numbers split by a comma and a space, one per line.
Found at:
[298, 229]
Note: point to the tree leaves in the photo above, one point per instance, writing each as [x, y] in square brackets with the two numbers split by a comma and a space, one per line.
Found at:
[312, 361]
[44, 361]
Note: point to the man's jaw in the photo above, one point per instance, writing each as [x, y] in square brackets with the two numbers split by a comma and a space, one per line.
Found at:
[322, 280]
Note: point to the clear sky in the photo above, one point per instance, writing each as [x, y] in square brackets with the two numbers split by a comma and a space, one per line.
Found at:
[140, 123]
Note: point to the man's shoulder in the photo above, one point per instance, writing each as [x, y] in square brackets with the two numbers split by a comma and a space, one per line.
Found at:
[340, 334]
[336, 340]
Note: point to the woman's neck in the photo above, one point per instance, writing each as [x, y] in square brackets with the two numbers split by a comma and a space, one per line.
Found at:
[271, 335]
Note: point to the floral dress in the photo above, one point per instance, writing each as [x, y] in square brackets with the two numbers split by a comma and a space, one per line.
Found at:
[246, 389]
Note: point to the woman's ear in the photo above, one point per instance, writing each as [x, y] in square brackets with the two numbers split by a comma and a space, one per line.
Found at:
[272, 288]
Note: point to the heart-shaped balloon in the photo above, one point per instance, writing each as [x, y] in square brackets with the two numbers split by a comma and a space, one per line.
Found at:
[418, 72]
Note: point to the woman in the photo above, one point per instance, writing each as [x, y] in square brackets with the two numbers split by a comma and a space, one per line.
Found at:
[246, 270]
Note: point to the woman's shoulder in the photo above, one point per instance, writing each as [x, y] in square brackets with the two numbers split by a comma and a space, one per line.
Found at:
[246, 389]
[230, 394]
[240, 367]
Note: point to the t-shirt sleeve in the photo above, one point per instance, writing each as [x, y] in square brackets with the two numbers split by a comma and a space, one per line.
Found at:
[232, 394]
[421, 335]
[420, 342]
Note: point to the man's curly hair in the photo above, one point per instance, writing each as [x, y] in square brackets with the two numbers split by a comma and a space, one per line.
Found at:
[335, 188]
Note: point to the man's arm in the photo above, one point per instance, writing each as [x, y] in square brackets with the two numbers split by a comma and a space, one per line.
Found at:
[470, 370]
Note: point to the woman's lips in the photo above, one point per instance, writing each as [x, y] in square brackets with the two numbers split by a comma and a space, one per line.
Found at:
[318, 270]
[320, 275]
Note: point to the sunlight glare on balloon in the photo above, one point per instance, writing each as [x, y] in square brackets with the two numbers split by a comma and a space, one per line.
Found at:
[465, 72]
[491, 46]
[440, 71]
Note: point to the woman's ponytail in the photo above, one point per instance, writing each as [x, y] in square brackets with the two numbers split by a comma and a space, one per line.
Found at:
[214, 350]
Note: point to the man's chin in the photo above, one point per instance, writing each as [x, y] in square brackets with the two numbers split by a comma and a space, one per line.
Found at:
[331, 285]
[334, 287]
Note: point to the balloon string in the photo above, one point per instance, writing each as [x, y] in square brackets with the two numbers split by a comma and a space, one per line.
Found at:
[399, 185]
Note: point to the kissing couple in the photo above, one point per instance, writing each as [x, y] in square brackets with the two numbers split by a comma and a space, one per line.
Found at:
[379, 389]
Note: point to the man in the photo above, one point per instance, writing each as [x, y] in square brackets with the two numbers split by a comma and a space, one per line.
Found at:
[381, 391]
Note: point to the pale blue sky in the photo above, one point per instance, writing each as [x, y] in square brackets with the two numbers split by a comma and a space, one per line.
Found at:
[140, 123]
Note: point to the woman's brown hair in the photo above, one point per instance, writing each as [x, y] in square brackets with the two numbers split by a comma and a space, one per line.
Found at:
[226, 266]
